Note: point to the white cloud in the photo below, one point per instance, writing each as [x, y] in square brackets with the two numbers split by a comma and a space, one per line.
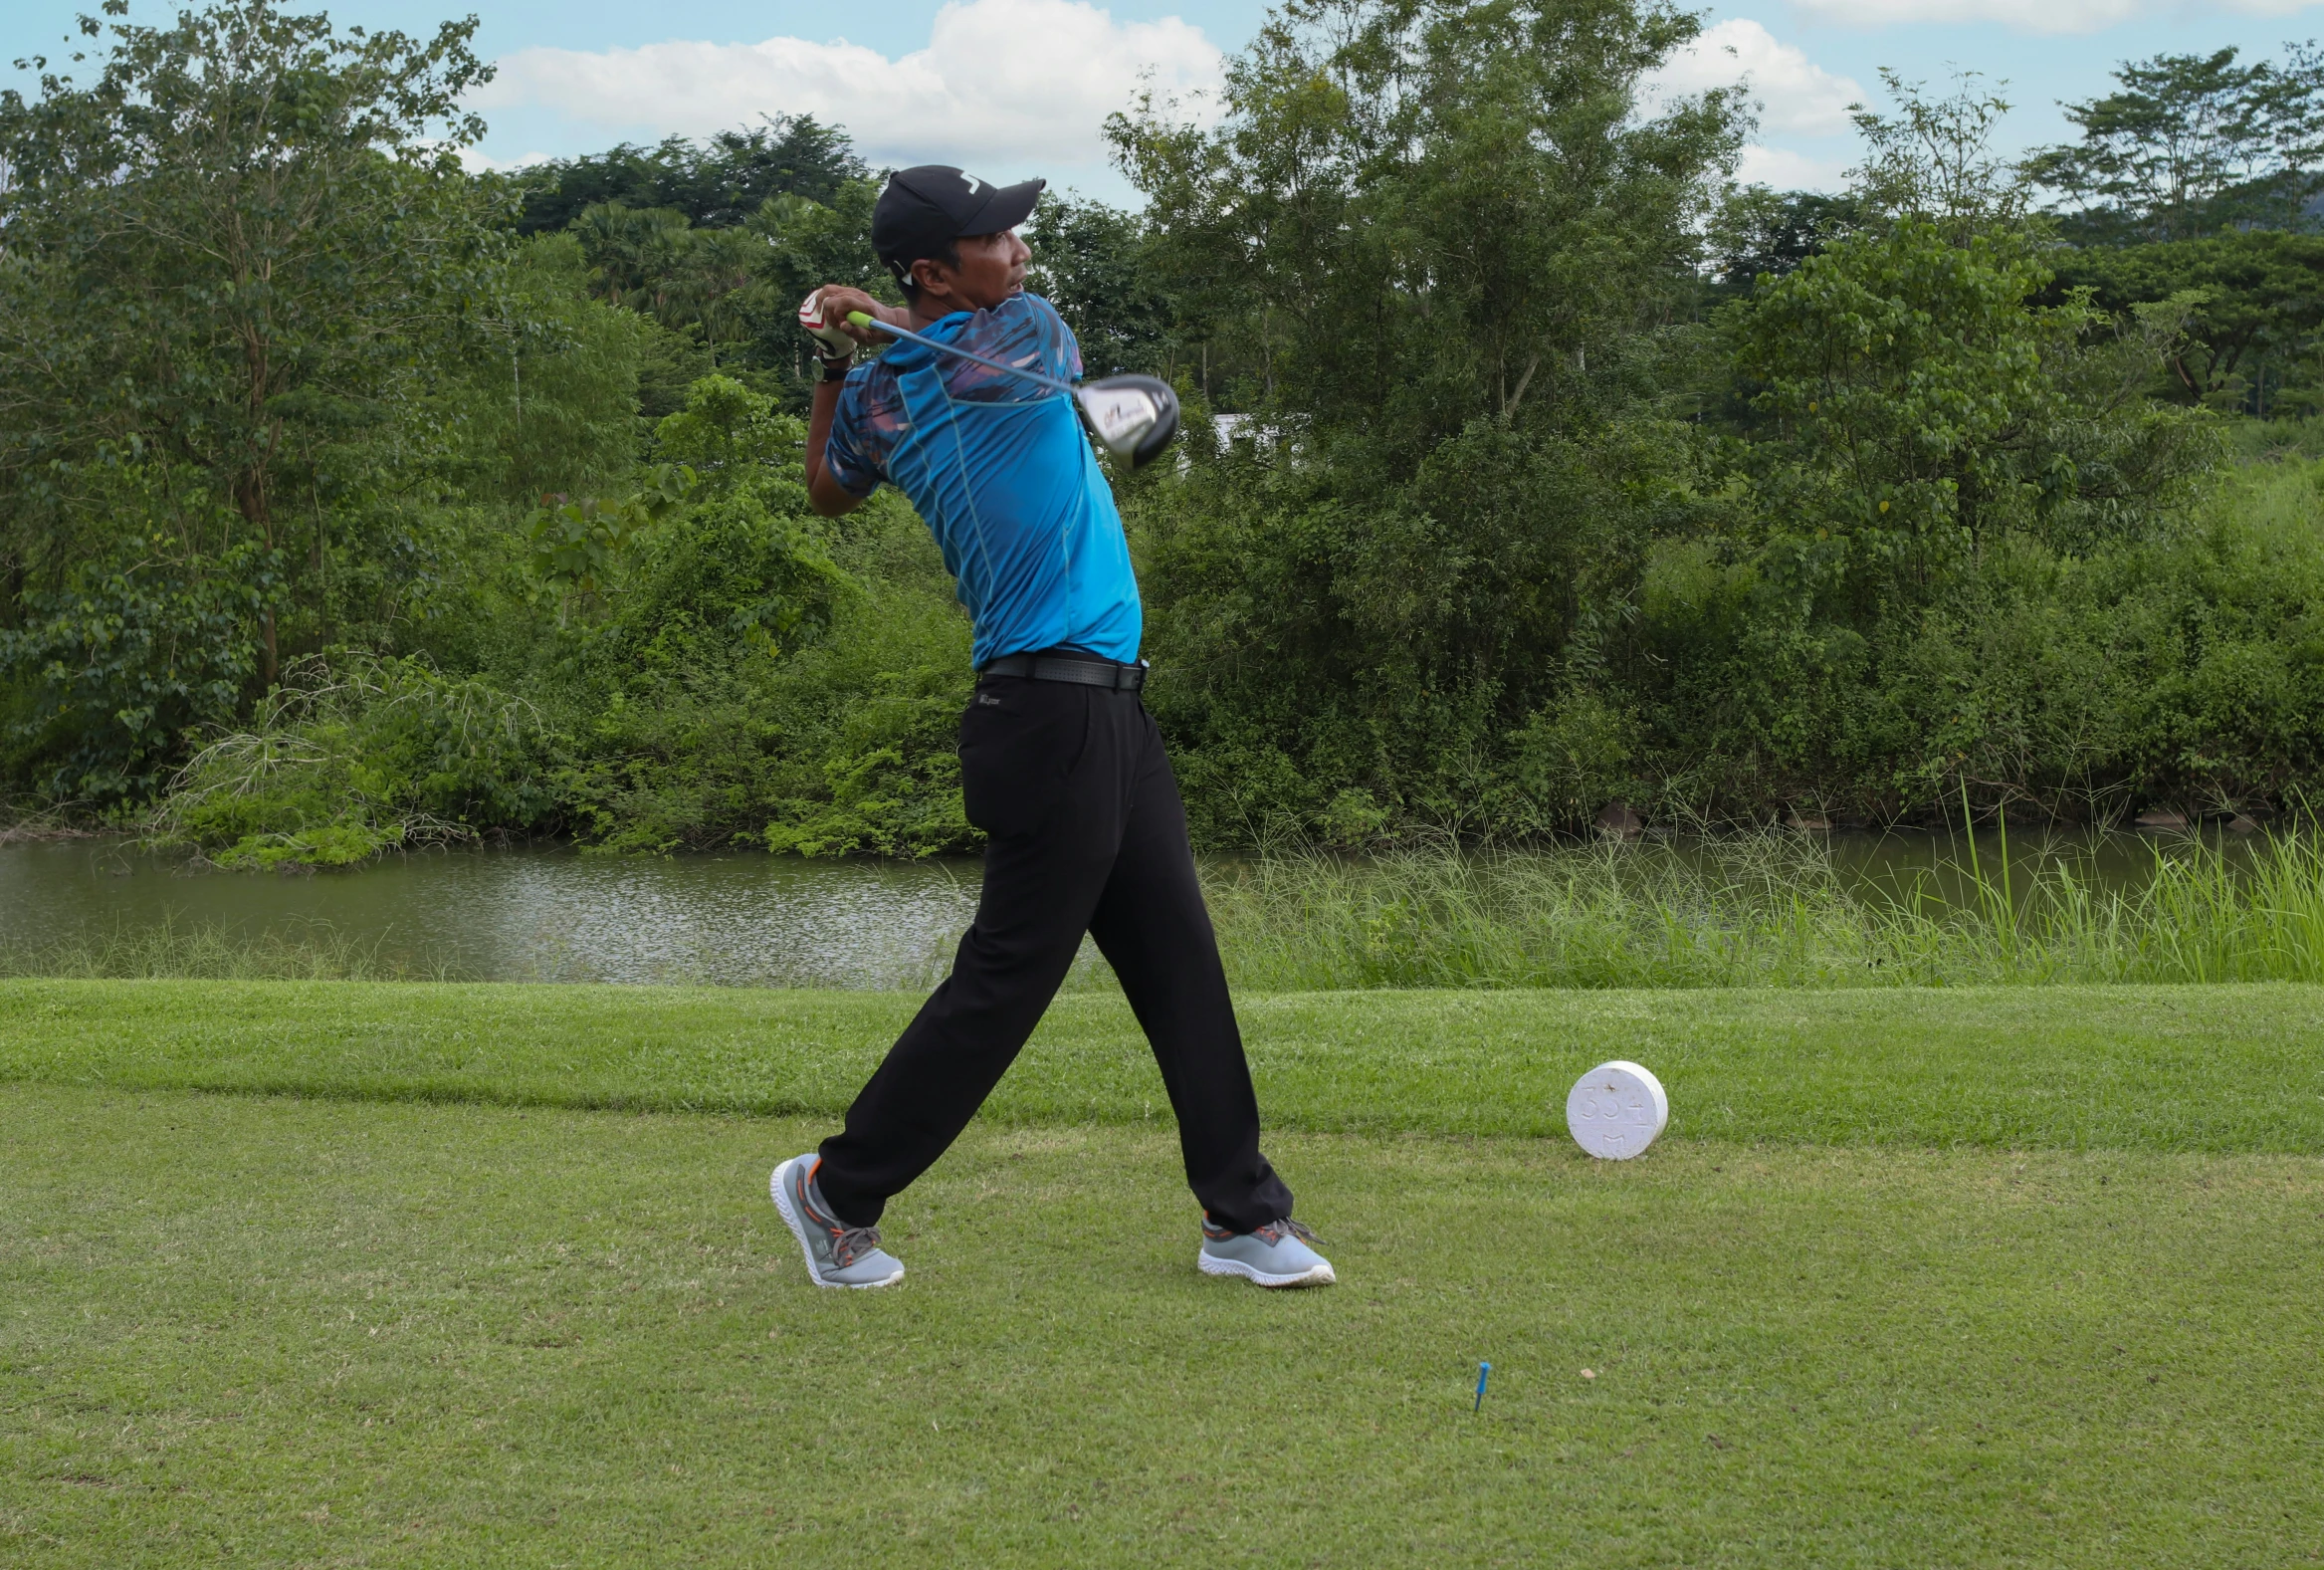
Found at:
[1001, 81]
[477, 162]
[1787, 170]
[1796, 96]
[2053, 16]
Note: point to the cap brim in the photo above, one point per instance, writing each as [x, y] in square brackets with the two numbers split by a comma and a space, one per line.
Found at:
[1006, 207]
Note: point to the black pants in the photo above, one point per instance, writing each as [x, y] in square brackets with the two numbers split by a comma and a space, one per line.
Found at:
[1086, 833]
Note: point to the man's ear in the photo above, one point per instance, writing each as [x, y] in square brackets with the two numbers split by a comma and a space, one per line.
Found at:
[932, 276]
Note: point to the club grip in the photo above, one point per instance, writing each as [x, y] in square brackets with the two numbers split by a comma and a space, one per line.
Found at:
[860, 320]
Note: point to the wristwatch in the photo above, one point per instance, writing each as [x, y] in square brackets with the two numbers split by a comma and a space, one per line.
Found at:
[834, 369]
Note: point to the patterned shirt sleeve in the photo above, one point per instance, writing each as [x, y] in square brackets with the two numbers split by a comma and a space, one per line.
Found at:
[1059, 351]
[870, 420]
[855, 471]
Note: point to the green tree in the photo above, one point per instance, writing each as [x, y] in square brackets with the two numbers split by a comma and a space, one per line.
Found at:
[709, 602]
[733, 290]
[1414, 215]
[1932, 161]
[2193, 144]
[717, 183]
[1921, 402]
[235, 256]
[807, 243]
[634, 253]
[549, 402]
[1439, 254]
[122, 668]
[1928, 433]
[1090, 260]
[1757, 232]
[2251, 303]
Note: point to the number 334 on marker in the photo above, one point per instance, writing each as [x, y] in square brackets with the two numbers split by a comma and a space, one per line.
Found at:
[1615, 1110]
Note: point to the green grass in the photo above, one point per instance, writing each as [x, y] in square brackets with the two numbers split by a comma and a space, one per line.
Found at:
[2015, 1276]
[2234, 1068]
[308, 1332]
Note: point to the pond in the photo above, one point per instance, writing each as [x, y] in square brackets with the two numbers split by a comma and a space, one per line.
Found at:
[530, 913]
[552, 913]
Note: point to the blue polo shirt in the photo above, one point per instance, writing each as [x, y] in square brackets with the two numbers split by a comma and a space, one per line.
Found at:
[1001, 471]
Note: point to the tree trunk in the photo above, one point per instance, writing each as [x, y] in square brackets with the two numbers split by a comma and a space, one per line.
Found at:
[249, 500]
[249, 485]
[1510, 403]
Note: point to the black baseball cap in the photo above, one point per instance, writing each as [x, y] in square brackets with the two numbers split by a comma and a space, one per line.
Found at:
[923, 210]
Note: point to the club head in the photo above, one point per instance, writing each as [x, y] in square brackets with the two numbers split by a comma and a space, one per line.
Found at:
[1133, 417]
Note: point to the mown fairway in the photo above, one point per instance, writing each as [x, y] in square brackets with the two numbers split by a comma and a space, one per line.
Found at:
[2077, 1326]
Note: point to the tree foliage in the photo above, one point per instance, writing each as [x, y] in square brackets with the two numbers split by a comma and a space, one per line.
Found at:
[1757, 232]
[1922, 404]
[1575, 595]
[717, 183]
[2189, 196]
[2192, 145]
[1093, 263]
[233, 257]
[1431, 212]
[349, 501]
[1436, 251]
[2249, 301]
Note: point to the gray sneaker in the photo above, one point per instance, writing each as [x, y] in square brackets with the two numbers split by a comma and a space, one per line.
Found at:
[837, 1254]
[1277, 1254]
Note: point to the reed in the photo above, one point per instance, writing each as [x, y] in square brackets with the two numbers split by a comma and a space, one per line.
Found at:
[1765, 910]
[177, 949]
[1770, 909]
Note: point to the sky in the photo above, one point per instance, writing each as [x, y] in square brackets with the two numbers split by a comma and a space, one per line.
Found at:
[1010, 88]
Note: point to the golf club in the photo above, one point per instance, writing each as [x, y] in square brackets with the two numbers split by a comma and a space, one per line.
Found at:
[1133, 417]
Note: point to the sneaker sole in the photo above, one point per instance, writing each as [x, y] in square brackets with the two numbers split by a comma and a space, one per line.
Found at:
[790, 1218]
[1210, 1265]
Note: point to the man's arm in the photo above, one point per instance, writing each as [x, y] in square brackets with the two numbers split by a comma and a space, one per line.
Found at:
[825, 493]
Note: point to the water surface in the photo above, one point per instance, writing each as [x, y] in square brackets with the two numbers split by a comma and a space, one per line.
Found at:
[534, 913]
[552, 913]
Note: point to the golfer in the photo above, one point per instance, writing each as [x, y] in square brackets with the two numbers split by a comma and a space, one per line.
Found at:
[1060, 765]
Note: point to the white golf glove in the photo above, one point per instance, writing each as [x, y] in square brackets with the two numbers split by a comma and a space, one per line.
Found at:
[835, 342]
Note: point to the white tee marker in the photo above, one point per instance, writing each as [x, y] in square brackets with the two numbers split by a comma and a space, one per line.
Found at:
[1615, 1110]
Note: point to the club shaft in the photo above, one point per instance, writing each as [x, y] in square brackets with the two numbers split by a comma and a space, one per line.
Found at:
[943, 348]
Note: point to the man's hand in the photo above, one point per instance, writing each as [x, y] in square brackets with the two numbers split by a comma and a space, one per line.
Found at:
[823, 315]
[832, 339]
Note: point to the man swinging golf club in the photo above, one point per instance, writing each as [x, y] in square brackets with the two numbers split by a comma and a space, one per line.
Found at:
[1060, 765]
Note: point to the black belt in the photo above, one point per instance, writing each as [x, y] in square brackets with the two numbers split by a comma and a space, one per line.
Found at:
[1089, 672]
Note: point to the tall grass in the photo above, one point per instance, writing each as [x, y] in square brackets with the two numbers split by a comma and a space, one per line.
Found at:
[1763, 910]
[177, 949]
[1769, 910]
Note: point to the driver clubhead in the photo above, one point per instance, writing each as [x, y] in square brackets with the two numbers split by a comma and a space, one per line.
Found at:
[1133, 417]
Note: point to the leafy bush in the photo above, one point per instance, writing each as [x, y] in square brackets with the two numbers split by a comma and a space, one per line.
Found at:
[112, 673]
[355, 755]
[683, 677]
[886, 777]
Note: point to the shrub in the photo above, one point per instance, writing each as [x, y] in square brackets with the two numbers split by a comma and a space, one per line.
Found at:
[353, 755]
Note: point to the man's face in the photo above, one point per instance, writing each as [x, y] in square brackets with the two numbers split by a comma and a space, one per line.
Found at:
[992, 268]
